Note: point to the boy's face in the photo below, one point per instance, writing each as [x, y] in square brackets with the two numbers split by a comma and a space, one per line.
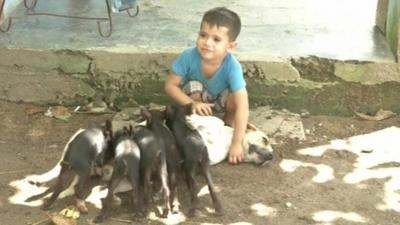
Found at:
[213, 42]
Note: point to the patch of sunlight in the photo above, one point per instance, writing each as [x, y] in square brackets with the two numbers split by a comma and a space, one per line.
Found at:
[331, 216]
[25, 189]
[171, 219]
[373, 149]
[210, 210]
[262, 210]
[241, 223]
[204, 190]
[96, 195]
[324, 172]
[211, 224]
[336, 13]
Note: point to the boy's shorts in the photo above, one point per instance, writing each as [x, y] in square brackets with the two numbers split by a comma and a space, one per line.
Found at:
[193, 87]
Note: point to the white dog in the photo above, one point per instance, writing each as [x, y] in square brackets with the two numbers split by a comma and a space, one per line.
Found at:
[217, 137]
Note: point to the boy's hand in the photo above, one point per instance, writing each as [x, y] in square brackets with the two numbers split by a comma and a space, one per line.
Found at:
[202, 109]
[235, 153]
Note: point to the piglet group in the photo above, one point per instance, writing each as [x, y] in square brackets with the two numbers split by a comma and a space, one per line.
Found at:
[149, 157]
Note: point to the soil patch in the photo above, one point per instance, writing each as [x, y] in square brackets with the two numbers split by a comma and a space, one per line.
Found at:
[31, 143]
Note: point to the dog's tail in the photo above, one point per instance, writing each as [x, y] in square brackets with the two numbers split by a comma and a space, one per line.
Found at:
[39, 196]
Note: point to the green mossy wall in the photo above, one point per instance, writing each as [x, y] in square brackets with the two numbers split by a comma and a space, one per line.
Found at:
[393, 27]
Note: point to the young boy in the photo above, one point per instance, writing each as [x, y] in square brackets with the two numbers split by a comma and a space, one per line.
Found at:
[211, 78]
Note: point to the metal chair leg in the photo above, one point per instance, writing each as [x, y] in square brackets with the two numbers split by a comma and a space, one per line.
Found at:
[108, 34]
[8, 26]
[133, 15]
[9, 19]
[30, 6]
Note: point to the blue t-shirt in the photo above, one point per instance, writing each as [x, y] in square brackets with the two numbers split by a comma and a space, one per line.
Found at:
[228, 76]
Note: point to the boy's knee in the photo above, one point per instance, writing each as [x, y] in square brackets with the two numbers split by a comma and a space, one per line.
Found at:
[194, 90]
[230, 109]
[196, 96]
[228, 119]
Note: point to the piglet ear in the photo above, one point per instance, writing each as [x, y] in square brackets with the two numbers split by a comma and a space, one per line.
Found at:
[187, 109]
[130, 129]
[251, 127]
[108, 129]
[108, 124]
[126, 131]
[145, 113]
[169, 110]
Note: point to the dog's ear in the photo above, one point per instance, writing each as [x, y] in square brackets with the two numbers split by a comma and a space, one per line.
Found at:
[251, 127]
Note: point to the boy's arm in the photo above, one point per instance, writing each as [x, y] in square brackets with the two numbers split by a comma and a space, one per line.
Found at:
[240, 119]
[173, 90]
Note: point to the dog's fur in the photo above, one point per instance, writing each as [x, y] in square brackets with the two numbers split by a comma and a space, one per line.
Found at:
[256, 145]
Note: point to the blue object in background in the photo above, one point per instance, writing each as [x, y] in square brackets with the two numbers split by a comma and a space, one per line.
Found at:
[121, 5]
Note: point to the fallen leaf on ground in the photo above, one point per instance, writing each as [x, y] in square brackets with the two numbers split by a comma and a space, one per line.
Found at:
[58, 219]
[36, 132]
[380, 115]
[70, 212]
[58, 112]
[30, 110]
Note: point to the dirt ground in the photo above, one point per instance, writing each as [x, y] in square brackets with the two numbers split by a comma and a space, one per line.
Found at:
[32, 144]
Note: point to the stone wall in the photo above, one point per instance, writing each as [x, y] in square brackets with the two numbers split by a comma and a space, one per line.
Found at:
[317, 85]
[387, 20]
[393, 26]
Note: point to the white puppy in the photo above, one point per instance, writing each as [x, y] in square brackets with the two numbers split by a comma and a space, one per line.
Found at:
[217, 137]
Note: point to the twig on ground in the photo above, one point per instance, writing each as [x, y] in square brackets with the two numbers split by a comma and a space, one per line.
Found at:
[13, 171]
[120, 220]
[40, 222]
[94, 113]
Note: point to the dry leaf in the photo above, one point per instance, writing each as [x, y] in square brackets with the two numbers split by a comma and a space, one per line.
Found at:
[36, 132]
[58, 219]
[58, 112]
[30, 110]
[70, 212]
[380, 115]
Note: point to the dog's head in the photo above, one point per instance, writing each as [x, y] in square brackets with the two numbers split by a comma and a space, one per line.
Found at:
[256, 146]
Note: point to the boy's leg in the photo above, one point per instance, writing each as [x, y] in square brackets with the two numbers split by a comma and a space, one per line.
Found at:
[194, 90]
[230, 109]
[196, 96]
[223, 104]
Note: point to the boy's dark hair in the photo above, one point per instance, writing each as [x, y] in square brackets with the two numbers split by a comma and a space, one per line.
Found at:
[221, 16]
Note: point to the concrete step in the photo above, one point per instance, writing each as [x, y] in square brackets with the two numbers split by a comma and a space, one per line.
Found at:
[296, 54]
